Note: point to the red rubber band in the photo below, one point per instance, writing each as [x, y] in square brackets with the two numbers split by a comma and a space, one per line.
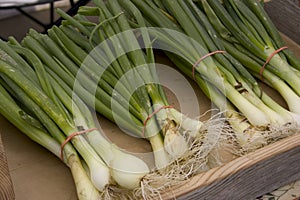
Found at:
[269, 59]
[265, 64]
[203, 57]
[70, 137]
[152, 114]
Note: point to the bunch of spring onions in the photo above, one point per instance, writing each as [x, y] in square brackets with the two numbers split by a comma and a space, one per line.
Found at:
[53, 81]
[102, 59]
[254, 41]
[42, 106]
[197, 35]
[117, 50]
[258, 41]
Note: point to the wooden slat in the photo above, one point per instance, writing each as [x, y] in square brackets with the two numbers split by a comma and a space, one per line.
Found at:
[6, 187]
[246, 177]
[285, 15]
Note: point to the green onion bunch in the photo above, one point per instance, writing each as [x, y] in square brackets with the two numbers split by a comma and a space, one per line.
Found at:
[258, 39]
[130, 58]
[102, 61]
[95, 60]
[194, 29]
[45, 108]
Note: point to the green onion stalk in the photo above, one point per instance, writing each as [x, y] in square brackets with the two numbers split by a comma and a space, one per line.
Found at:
[28, 125]
[53, 105]
[257, 40]
[239, 86]
[138, 67]
[292, 99]
[53, 77]
[273, 32]
[104, 90]
[83, 73]
[36, 131]
[256, 47]
[165, 22]
[111, 155]
[57, 72]
[113, 47]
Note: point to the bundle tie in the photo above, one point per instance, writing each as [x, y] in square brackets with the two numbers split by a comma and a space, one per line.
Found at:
[203, 57]
[152, 114]
[267, 62]
[269, 59]
[70, 137]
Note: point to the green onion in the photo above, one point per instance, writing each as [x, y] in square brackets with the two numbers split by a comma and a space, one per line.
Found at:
[233, 15]
[208, 25]
[103, 59]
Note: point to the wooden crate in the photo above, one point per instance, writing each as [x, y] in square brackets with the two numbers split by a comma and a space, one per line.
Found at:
[37, 174]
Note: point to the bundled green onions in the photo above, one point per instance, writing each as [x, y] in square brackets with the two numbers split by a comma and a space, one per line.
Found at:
[113, 37]
[103, 65]
[45, 132]
[253, 40]
[103, 59]
[199, 57]
[259, 41]
[64, 116]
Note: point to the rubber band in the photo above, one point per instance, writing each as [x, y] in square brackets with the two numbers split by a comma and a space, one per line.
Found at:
[269, 59]
[265, 64]
[203, 57]
[70, 137]
[152, 114]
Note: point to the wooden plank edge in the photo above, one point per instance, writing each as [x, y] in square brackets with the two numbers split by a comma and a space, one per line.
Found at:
[246, 177]
[6, 186]
[285, 15]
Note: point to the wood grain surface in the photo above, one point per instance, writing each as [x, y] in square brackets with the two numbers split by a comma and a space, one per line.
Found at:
[6, 187]
[285, 15]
